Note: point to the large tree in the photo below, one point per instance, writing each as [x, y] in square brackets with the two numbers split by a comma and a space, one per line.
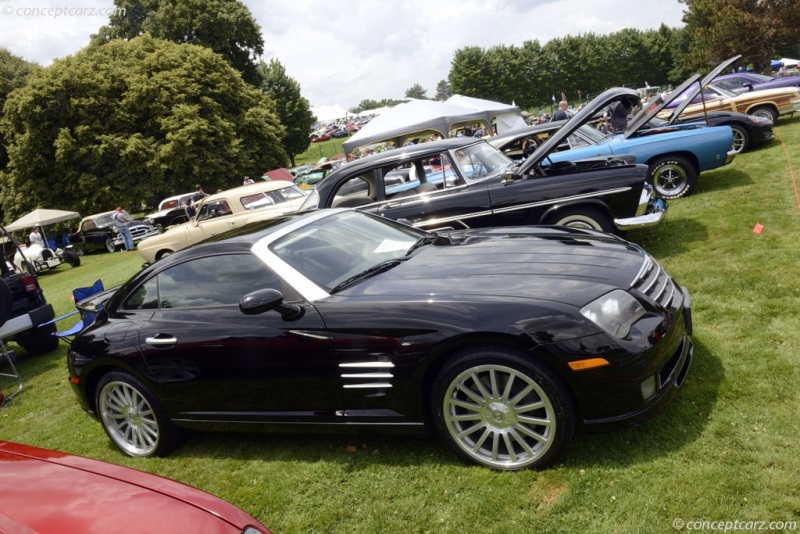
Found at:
[757, 29]
[133, 121]
[293, 110]
[14, 72]
[225, 26]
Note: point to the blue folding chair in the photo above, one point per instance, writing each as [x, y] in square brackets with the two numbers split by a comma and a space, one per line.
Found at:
[87, 315]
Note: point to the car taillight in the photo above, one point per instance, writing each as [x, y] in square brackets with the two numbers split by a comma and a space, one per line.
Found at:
[29, 283]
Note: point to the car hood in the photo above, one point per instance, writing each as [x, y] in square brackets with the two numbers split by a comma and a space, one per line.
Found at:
[50, 491]
[686, 90]
[585, 115]
[565, 265]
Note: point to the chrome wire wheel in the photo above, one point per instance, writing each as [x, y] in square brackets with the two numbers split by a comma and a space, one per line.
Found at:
[499, 417]
[128, 418]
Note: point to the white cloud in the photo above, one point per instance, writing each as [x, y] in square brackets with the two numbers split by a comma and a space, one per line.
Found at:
[344, 52]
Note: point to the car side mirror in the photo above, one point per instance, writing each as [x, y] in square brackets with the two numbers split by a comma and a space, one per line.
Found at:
[512, 175]
[263, 300]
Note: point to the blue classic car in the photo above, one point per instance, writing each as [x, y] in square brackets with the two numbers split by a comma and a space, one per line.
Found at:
[674, 151]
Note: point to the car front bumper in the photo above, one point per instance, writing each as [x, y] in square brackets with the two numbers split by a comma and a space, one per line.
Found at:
[651, 211]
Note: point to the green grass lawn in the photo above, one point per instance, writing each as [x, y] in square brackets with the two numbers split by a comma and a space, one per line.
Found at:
[727, 449]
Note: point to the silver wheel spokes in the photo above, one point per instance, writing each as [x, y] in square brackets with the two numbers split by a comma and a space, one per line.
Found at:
[738, 141]
[499, 416]
[129, 418]
[670, 180]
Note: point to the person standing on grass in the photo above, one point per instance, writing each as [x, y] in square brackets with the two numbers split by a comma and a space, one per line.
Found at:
[121, 219]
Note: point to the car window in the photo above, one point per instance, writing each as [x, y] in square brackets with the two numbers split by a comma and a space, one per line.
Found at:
[730, 83]
[480, 160]
[211, 210]
[356, 191]
[204, 282]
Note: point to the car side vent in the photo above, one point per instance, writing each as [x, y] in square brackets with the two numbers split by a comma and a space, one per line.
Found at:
[654, 282]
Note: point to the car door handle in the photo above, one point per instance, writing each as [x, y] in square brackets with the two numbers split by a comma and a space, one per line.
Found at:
[161, 341]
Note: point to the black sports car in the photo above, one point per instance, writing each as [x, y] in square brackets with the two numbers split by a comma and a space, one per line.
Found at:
[505, 339]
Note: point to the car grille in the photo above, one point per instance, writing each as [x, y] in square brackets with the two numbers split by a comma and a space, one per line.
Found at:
[139, 232]
[654, 282]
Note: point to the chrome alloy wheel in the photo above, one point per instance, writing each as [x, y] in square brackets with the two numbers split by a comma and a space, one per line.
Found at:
[499, 416]
[128, 418]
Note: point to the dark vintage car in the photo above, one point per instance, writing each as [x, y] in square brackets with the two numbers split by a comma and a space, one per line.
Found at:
[168, 217]
[467, 183]
[503, 339]
[99, 232]
[51, 492]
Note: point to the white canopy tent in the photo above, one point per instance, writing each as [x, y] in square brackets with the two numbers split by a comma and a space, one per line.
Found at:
[420, 117]
[41, 217]
[506, 117]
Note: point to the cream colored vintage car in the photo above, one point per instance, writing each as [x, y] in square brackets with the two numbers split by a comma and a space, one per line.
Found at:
[225, 211]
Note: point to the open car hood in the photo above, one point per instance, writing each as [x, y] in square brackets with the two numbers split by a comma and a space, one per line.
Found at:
[588, 113]
[692, 86]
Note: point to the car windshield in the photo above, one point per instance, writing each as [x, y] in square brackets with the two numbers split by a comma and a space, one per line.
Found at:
[721, 91]
[269, 198]
[592, 133]
[480, 160]
[346, 246]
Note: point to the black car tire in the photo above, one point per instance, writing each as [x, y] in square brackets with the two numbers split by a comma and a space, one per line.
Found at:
[133, 418]
[71, 257]
[672, 177]
[163, 254]
[588, 218]
[741, 139]
[765, 112]
[110, 245]
[39, 340]
[499, 408]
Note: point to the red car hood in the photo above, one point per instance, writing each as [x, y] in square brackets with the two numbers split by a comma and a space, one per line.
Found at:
[45, 491]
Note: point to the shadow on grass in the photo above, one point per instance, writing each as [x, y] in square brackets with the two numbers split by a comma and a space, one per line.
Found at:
[682, 422]
[679, 424]
[354, 451]
[721, 179]
[673, 236]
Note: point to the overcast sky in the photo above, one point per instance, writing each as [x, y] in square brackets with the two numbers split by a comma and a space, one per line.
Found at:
[343, 52]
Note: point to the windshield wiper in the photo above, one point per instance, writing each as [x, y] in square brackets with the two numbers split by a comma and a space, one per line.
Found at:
[372, 271]
[421, 242]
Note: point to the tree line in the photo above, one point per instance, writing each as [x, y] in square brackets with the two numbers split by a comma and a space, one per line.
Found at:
[173, 92]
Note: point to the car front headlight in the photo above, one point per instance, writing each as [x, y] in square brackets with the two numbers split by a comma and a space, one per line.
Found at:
[614, 312]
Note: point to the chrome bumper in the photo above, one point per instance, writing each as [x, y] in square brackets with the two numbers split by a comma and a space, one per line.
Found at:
[731, 155]
[651, 211]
